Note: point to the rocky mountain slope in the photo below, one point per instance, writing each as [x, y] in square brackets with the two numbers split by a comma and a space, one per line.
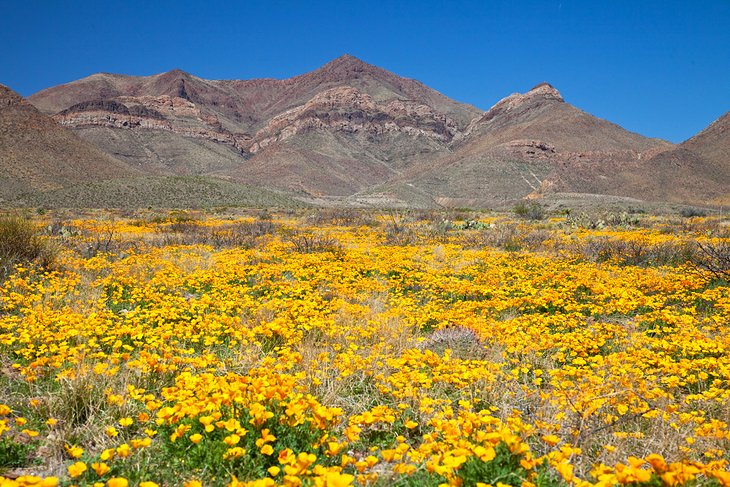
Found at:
[528, 145]
[353, 133]
[37, 154]
[695, 171]
[150, 122]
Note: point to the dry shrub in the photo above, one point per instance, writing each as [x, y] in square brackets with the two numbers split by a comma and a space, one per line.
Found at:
[307, 243]
[506, 236]
[399, 228]
[529, 211]
[346, 217]
[713, 258]
[463, 342]
[634, 252]
[243, 234]
[21, 243]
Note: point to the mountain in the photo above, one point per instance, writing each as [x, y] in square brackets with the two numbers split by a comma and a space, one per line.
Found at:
[528, 145]
[338, 129]
[37, 154]
[353, 133]
[696, 171]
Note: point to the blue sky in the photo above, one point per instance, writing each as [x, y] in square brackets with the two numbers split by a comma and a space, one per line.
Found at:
[660, 68]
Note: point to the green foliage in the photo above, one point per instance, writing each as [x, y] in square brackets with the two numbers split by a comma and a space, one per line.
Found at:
[13, 454]
[504, 468]
[547, 477]
[421, 478]
[175, 452]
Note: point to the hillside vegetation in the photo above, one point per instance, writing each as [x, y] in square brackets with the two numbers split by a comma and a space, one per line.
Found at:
[353, 348]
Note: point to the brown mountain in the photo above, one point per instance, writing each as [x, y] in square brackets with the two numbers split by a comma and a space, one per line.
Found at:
[336, 130]
[37, 154]
[528, 145]
[355, 133]
[695, 171]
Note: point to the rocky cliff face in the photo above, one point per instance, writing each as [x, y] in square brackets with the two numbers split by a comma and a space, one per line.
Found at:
[345, 96]
[169, 113]
[9, 98]
[346, 109]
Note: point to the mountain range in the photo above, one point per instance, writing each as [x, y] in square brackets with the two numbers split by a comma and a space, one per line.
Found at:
[348, 133]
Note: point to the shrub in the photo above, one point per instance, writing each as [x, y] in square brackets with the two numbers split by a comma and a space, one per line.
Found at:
[634, 252]
[398, 229]
[691, 211]
[244, 234]
[309, 243]
[713, 257]
[597, 221]
[529, 211]
[21, 242]
[463, 342]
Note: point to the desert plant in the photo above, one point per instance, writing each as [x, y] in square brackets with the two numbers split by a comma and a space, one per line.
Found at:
[597, 221]
[691, 211]
[463, 342]
[21, 242]
[242, 234]
[309, 243]
[529, 211]
[713, 257]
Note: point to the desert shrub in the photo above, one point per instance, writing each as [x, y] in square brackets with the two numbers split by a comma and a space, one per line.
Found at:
[473, 225]
[243, 234]
[307, 243]
[529, 210]
[596, 221]
[21, 242]
[340, 216]
[506, 236]
[441, 228]
[185, 226]
[713, 258]
[691, 211]
[398, 229]
[102, 241]
[463, 342]
[635, 252]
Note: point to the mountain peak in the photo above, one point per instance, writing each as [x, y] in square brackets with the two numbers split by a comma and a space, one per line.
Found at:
[9, 97]
[174, 74]
[347, 66]
[545, 89]
[347, 60]
[539, 93]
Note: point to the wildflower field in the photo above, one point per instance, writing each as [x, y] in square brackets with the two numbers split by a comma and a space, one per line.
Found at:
[354, 348]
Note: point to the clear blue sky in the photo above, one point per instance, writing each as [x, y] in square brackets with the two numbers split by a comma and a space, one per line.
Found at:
[660, 68]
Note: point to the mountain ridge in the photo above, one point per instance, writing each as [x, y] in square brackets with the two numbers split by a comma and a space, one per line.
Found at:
[351, 129]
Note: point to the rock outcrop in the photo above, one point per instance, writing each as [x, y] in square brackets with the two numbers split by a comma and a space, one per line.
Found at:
[346, 109]
[174, 114]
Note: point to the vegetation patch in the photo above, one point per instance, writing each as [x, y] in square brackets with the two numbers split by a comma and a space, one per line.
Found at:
[256, 348]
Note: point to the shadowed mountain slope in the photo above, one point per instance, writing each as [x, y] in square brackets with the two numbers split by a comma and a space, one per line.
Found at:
[38, 154]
